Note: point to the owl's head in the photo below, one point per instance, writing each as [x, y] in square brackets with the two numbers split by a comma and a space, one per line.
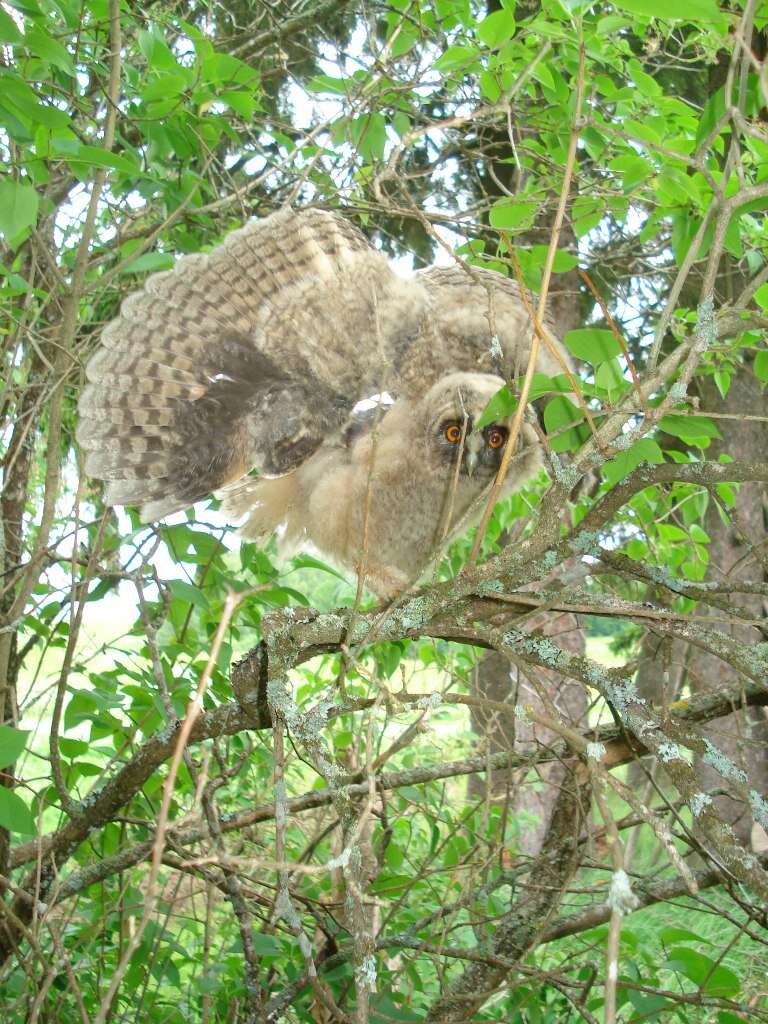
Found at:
[452, 407]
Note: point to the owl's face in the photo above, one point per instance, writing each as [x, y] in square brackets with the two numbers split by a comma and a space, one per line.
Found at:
[453, 406]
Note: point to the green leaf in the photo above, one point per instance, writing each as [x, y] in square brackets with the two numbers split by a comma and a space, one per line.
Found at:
[723, 382]
[391, 883]
[713, 979]
[542, 385]
[9, 32]
[513, 214]
[12, 742]
[14, 813]
[242, 103]
[18, 208]
[184, 591]
[457, 57]
[609, 376]
[164, 86]
[148, 261]
[156, 51]
[281, 596]
[21, 98]
[325, 83]
[675, 934]
[369, 135]
[187, 545]
[28, 7]
[224, 68]
[636, 549]
[95, 156]
[305, 561]
[649, 1006]
[592, 344]
[670, 532]
[558, 413]
[384, 1011]
[266, 945]
[687, 10]
[761, 367]
[502, 404]
[562, 262]
[38, 41]
[405, 40]
[73, 748]
[633, 170]
[497, 28]
[644, 450]
[689, 428]
[645, 83]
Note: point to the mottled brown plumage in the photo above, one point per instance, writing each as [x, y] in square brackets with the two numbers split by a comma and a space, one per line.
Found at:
[254, 355]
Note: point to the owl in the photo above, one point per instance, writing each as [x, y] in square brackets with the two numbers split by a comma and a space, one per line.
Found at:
[273, 353]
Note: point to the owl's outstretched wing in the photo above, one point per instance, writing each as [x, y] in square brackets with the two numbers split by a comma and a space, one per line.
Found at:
[481, 324]
[248, 356]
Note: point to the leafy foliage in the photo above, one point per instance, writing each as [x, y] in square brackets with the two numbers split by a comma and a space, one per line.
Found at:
[322, 822]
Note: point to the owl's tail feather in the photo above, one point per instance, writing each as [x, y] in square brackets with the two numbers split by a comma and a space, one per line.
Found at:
[268, 504]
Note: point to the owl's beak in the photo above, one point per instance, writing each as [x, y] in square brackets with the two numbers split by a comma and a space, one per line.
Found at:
[472, 447]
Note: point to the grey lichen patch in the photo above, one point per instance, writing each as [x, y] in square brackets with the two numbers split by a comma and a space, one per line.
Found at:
[330, 622]
[310, 724]
[621, 899]
[281, 804]
[754, 660]
[330, 771]
[759, 808]
[698, 802]
[677, 392]
[539, 647]
[496, 352]
[646, 727]
[663, 576]
[306, 727]
[722, 764]
[597, 675]
[669, 752]
[521, 714]
[622, 695]
[365, 972]
[586, 543]
[549, 561]
[489, 588]
[429, 701]
[706, 327]
[280, 699]
[566, 476]
[595, 751]
[285, 909]
[341, 861]
[626, 440]
[410, 616]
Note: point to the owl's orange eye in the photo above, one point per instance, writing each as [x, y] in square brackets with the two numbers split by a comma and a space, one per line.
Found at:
[453, 433]
[495, 438]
